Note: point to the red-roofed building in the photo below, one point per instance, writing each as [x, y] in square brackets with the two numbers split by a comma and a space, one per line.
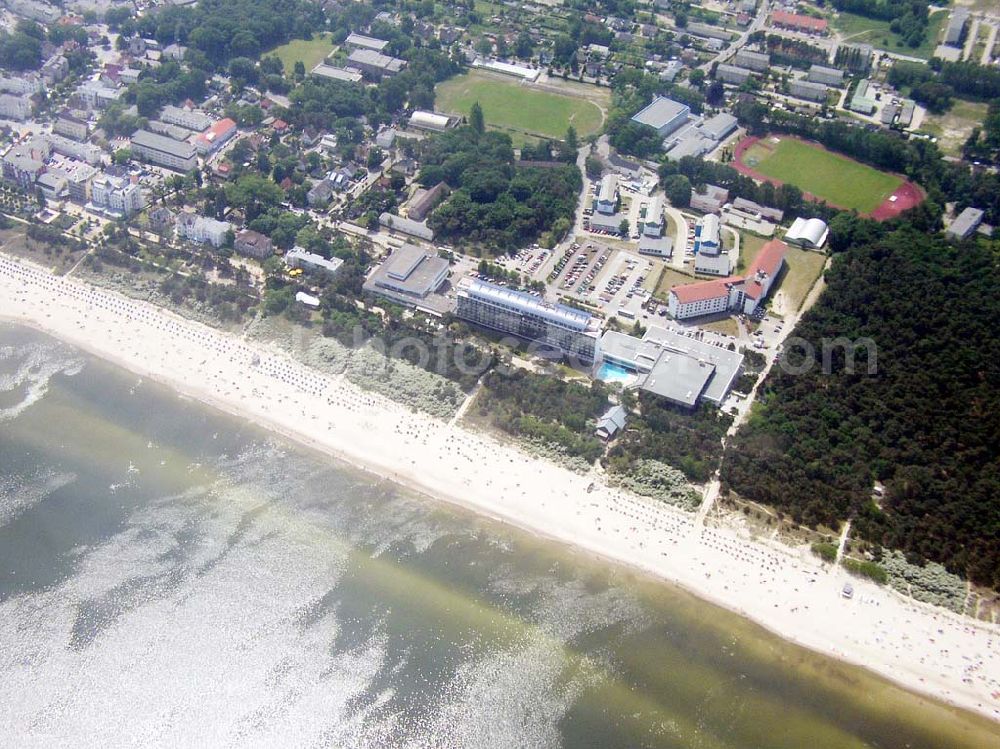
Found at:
[279, 126]
[798, 22]
[737, 293]
[215, 137]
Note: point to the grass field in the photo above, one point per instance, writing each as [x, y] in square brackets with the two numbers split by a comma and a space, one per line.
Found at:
[310, 53]
[803, 268]
[828, 176]
[668, 279]
[750, 245]
[860, 30]
[508, 105]
[953, 127]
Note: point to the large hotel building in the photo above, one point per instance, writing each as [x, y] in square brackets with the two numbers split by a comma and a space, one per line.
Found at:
[573, 332]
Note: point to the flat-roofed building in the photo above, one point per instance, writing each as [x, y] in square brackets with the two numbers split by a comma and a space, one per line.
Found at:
[299, 257]
[570, 331]
[15, 107]
[71, 125]
[663, 115]
[965, 224]
[164, 151]
[719, 127]
[507, 68]
[731, 74]
[774, 215]
[756, 61]
[74, 149]
[710, 201]
[956, 27]
[807, 90]
[333, 73]
[360, 41]
[678, 368]
[826, 76]
[375, 64]
[409, 275]
[192, 119]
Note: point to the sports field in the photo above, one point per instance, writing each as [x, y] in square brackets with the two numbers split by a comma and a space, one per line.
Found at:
[511, 105]
[310, 53]
[827, 176]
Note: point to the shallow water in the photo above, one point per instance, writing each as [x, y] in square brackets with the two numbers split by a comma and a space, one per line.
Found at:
[170, 575]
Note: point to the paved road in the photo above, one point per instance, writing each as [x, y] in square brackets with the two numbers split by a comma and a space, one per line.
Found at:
[756, 25]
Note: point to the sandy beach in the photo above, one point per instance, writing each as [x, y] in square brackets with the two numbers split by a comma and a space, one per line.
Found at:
[786, 590]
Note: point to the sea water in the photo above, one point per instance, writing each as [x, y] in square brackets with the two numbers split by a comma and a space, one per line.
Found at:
[173, 576]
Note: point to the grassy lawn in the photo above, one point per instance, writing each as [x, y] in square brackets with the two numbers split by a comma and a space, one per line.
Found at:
[953, 127]
[669, 278]
[725, 325]
[310, 53]
[508, 105]
[829, 176]
[750, 245]
[860, 30]
[803, 267]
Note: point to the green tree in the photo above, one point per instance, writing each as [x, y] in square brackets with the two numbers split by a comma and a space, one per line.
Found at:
[476, 119]
[572, 142]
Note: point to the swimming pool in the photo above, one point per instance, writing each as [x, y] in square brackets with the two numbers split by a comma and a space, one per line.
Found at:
[609, 372]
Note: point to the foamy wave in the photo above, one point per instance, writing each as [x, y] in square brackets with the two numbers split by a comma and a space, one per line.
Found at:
[36, 363]
[18, 494]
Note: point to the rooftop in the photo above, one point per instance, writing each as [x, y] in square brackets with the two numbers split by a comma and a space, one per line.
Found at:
[660, 112]
[519, 301]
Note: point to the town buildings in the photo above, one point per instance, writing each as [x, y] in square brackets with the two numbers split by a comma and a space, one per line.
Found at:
[159, 149]
[409, 275]
[663, 115]
[299, 257]
[253, 244]
[201, 229]
[741, 294]
[115, 196]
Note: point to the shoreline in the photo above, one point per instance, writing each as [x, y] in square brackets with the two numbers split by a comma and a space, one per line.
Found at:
[785, 590]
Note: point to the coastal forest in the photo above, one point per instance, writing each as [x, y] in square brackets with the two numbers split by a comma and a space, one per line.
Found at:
[925, 423]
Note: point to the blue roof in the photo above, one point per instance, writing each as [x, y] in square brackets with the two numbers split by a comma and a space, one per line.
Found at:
[559, 314]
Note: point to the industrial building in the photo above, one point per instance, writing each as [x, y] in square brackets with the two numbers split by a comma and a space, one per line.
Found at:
[863, 100]
[409, 275]
[164, 151]
[333, 73]
[663, 115]
[360, 41]
[965, 224]
[570, 331]
[681, 369]
[374, 63]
